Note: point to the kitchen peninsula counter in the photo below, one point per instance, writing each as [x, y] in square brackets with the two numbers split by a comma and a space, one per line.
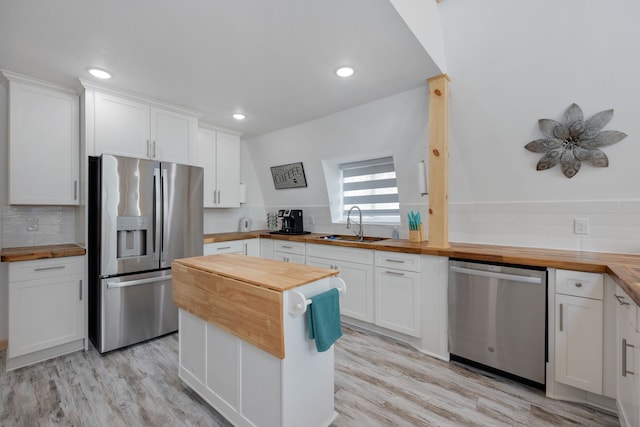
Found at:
[623, 268]
[243, 339]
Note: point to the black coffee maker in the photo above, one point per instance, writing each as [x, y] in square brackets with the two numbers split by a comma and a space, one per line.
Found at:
[291, 221]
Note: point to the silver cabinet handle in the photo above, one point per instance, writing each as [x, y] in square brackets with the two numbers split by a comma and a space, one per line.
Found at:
[75, 190]
[624, 358]
[394, 260]
[80, 286]
[561, 317]
[224, 247]
[246, 249]
[621, 300]
[219, 197]
[154, 149]
[55, 267]
[395, 273]
[286, 247]
[148, 148]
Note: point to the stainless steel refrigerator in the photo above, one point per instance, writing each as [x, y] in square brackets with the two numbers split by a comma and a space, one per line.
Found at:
[143, 214]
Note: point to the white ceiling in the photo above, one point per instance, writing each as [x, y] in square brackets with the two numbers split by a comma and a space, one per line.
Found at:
[271, 59]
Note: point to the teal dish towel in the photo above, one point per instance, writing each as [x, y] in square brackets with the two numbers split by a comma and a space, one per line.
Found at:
[323, 318]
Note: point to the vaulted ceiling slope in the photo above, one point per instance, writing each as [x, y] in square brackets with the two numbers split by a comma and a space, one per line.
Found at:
[273, 60]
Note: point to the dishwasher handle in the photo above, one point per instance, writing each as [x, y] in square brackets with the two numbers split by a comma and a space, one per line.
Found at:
[513, 277]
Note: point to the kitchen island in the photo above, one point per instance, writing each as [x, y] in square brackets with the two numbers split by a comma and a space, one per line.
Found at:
[243, 339]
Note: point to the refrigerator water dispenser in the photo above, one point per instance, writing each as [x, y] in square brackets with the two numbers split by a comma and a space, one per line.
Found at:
[132, 236]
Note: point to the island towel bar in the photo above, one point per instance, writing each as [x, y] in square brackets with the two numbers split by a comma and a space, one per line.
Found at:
[298, 302]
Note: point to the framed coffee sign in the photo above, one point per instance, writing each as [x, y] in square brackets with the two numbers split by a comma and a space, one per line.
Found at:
[288, 176]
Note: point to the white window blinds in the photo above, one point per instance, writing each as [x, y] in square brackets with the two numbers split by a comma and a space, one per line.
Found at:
[371, 185]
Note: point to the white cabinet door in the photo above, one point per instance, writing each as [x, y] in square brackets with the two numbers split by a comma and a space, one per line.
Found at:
[252, 247]
[205, 157]
[122, 126]
[358, 301]
[192, 344]
[219, 155]
[44, 311]
[578, 342]
[228, 170]
[287, 257]
[628, 374]
[397, 299]
[43, 146]
[172, 135]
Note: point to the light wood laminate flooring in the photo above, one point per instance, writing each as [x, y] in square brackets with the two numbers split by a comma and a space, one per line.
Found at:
[378, 382]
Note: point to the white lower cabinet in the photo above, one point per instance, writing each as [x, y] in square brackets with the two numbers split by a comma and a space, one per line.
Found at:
[284, 250]
[356, 269]
[230, 247]
[250, 247]
[46, 309]
[579, 330]
[628, 363]
[397, 292]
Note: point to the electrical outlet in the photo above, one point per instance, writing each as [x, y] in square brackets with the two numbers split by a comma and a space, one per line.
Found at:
[580, 226]
[33, 223]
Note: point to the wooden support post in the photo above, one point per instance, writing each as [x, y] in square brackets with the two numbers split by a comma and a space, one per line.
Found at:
[439, 161]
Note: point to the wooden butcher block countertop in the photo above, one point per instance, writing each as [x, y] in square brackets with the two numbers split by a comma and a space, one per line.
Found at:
[624, 268]
[242, 295]
[266, 273]
[30, 253]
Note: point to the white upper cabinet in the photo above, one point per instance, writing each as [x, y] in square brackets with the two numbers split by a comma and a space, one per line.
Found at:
[219, 154]
[131, 126]
[172, 136]
[121, 126]
[44, 143]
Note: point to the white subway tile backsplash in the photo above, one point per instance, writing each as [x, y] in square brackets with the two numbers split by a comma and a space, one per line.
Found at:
[56, 225]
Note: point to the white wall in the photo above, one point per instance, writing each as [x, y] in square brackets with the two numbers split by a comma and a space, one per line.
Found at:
[512, 63]
[394, 125]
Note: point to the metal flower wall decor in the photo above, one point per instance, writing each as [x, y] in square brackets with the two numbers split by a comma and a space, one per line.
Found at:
[574, 141]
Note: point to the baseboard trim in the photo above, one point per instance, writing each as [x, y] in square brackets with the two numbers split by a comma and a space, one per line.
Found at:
[4, 344]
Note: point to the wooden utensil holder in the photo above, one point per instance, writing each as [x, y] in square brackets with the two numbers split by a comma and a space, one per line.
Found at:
[417, 235]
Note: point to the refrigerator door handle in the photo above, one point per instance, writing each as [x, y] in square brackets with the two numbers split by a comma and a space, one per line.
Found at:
[157, 206]
[165, 214]
[128, 283]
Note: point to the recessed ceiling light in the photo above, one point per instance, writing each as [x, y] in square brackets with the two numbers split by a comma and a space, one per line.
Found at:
[238, 116]
[345, 72]
[99, 73]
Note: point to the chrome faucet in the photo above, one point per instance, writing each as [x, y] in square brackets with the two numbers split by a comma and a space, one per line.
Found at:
[360, 233]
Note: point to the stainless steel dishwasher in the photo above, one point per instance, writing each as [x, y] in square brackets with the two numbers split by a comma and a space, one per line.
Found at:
[497, 318]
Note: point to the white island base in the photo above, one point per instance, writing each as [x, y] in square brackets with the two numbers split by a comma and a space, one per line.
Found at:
[251, 387]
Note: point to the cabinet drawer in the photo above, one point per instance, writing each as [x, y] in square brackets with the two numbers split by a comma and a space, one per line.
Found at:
[398, 261]
[360, 256]
[233, 246]
[46, 268]
[289, 247]
[579, 283]
[626, 306]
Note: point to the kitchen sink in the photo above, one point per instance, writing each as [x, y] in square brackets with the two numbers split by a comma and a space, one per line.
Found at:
[349, 238]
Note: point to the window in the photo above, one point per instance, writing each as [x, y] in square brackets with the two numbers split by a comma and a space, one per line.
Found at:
[371, 185]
